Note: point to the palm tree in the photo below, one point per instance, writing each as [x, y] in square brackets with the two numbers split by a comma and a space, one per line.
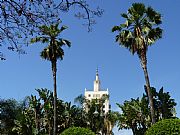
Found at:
[134, 115]
[46, 98]
[110, 120]
[138, 33]
[52, 52]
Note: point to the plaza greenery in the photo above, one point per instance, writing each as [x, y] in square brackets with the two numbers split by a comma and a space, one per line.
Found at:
[136, 112]
[34, 116]
[77, 131]
[165, 127]
[44, 113]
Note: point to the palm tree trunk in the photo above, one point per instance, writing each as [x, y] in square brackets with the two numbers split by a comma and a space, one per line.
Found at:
[55, 97]
[143, 60]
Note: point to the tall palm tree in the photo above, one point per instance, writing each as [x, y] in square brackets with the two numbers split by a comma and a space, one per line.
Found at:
[52, 52]
[138, 33]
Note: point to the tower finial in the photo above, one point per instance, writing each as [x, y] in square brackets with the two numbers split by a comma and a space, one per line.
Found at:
[97, 82]
[97, 71]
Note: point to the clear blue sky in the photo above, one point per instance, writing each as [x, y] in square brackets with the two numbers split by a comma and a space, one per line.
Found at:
[119, 70]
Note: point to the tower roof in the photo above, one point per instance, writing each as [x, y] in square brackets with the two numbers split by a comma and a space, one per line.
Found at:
[97, 75]
[97, 82]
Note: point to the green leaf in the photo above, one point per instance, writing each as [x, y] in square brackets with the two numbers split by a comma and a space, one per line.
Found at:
[124, 15]
[116, 28]
[123, 25]
[63, 28]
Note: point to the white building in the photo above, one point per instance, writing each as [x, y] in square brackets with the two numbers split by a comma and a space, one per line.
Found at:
[98, 93]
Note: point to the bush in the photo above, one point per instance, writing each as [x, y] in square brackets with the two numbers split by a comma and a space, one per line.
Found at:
[77, 131]
[165, 127]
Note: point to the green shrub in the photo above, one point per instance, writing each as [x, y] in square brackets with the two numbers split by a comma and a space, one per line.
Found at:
[77, 131]
[165, 127]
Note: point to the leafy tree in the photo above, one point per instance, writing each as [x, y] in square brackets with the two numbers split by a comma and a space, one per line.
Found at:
[110, 120]
[70, 115]
[95, 118]
[47, 99]
[136, 112]
[9, 111]
[53, 52]
[80, 100]
[25, 124]
[35, 105]
[135, 116]
[93, 112]
[37, 115]
[33, 117]
[163, 103]
[165, 127]
[138, 33]
[77, 131]
[20, 19]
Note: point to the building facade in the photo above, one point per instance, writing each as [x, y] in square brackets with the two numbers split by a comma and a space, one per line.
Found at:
[98, 93]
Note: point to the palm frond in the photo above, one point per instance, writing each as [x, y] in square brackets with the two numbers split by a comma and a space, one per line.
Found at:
[153, 16]
[54, 50]
[116, 28]
[124, 15]
[63, 28]
[39, 39]
[66, 42]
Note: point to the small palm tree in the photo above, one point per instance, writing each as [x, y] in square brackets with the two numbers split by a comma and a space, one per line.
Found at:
[138, 33]
[52, 52]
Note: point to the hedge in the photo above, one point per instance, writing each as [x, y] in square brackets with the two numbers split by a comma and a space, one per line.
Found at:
[165, 127]
[77, 131]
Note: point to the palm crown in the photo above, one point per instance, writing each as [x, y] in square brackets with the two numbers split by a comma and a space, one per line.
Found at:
[140, 29]
[54, 49]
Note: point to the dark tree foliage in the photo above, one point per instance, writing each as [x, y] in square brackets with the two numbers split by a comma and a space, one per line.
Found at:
[136, 112]
[20, 19]
[163, 103]
[37, 117]
[135, 115]
[9, 111]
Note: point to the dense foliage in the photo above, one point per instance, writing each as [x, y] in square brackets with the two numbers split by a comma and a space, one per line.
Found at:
[163, 103]
[97, 120]
[10, 109]
[39, 115]
[135, 116]
[77, 131]
[35, 116]
[165, 127]
[136, 112]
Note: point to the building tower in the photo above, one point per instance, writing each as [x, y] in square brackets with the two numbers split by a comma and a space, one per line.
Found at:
[98, 93]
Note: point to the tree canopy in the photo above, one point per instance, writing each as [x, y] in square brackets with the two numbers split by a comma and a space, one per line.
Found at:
[136, 112]
[20, 19]
[165, 127]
